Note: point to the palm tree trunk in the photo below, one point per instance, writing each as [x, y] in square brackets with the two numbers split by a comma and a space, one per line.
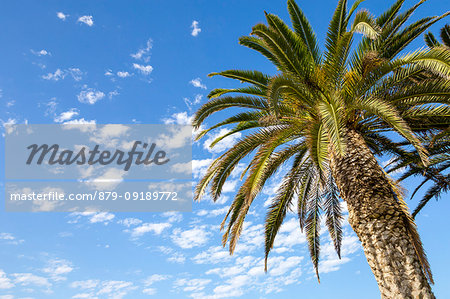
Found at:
[381, 224]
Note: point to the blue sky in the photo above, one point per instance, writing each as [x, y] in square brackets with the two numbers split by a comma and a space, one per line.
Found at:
[146, 62]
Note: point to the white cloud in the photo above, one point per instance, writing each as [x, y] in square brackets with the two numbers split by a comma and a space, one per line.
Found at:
[112, 94]
[8, 125]
[190, 103]
[144, 69]
[128, 222]
[179, 118]
[26, 279]
[173, 216]
[58, 269]
[40, 53]
[198, 98]
[6, 236]
[61, 15]
[90, 96]
[84, 296]
[175, 137]
[59, 74]
[56, 76]
[330, 260]
[156, 228]
[222, 145]
[123, 74]
[154, 278]
[185, 168]
[143, 53]
[195, 28]
[115, 289]
[75, 73]
[284, 265]
[108, 134]
[5, 282]
[197, 82]
[213, 213]
[190, 238]
[80, 121]
[88, 20]
[67, 115]
[289, 234]
[191, 285]
[84, 284]
[10, 239]
[199, 167]
[109, 179]
[102, 217]
[233, 287]
[213, 255]
[177, 257]
[51, 106]
[149, 291]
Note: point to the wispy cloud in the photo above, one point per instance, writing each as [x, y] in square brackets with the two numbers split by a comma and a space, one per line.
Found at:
[223, 144]
[123, 74]
[191, 103]
[88, 20]
[195, 28]
[128, 222]
[197, 82]
[10, 239]
[5, 282]
[59, 74]
[109, 288]
[58, 269]
[144, 53]
[61, 15]
[80, 121]
[56, 76]
[190, 238]
[26, 279]
[66, 115]
[90, 96]
[179, 118]
[144, 69]
[42, 52]
[156, 228]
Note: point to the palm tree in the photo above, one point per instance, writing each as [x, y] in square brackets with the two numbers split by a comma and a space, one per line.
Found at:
[326, 114]
[431, 41]
[437, 146]
[436, 172]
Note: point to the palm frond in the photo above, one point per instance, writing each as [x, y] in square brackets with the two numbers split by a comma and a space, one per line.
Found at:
[304, 30]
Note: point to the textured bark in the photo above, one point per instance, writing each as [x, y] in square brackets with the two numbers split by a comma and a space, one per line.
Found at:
[378, 220]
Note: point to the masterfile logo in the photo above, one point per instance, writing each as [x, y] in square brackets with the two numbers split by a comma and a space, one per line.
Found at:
[111, 167]
[91, 157]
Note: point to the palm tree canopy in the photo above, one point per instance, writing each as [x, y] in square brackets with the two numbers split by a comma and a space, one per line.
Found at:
[431, 41]
[437, 145]
[300, 115]
[436, 173]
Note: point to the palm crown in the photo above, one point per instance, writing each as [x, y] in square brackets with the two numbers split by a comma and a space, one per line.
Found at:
[431, 41]
[436, 172]
[437, 145]
[301, 114]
